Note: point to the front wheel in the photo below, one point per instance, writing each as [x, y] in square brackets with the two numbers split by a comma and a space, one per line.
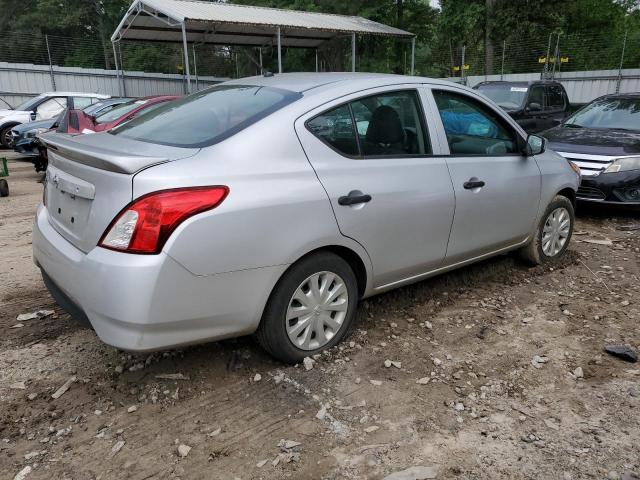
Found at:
[553, 234]
[6, 139]
[4, 188]
[311, 309]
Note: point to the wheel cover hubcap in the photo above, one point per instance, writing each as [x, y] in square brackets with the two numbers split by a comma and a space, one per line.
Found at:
[317, 310]
[556, 232]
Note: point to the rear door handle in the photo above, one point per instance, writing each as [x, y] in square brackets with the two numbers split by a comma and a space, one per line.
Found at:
[354, 198]
[471, 184]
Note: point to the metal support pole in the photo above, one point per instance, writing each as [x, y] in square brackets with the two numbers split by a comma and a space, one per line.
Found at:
[545, 71]
[279, 51]
[195, 66]
[115, 57]
[413, 56]
[624, 47]
[464, 47]
[353, 52]
[122, 74]
[186, 58]
[556, 60]
[260, 55]
[53, 79]
[316, 60]
[504, 47]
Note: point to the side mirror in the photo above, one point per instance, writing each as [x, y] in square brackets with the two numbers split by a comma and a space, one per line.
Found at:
[535, 145]
[534, 107]
[33, 115]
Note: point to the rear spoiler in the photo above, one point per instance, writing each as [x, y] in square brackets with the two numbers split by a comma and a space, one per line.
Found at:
[102, 158]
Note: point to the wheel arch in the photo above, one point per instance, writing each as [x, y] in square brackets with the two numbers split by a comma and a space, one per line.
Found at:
[570, 193]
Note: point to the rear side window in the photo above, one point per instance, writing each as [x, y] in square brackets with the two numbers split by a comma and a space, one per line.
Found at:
[384, 125]
[120, 111]
[206, 117]
[473, 128]
[335, 128]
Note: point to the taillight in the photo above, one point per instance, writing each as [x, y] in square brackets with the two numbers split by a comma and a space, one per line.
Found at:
[145, 225]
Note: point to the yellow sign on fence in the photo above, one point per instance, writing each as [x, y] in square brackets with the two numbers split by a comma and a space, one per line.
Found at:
[553, 59]
[457, 68]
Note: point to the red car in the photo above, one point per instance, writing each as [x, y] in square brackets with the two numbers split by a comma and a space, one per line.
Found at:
[77, 121]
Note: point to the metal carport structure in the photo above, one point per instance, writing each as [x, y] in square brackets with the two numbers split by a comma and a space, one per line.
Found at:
[216, 23]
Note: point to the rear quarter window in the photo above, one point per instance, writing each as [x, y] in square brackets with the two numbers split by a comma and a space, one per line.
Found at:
[206, 117]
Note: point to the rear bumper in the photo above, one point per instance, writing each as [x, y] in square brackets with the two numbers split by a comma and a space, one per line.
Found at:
[611, 188]
[148, 302]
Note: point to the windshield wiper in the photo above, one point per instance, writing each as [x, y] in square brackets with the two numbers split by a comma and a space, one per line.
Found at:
[624, 129]
[573, 125]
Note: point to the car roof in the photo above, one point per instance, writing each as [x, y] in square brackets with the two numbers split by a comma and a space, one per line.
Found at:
[73, 94]
[302, 82]
[632, 95]
[519, 83]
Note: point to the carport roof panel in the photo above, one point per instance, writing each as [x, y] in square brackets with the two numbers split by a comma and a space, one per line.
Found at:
[239, 19]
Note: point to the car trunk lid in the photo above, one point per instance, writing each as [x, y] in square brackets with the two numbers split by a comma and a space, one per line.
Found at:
[90, 180]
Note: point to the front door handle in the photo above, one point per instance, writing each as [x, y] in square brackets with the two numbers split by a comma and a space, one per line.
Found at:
[354, 198]
[473, 183]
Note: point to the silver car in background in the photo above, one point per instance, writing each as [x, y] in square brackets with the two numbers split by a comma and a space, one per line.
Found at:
[271, 205]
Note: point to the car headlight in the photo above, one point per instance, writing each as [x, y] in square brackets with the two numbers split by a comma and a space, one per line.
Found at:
[575, 168]
[36, 132]
[623, 165]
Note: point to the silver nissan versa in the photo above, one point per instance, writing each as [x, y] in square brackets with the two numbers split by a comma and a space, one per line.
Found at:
[271, 205]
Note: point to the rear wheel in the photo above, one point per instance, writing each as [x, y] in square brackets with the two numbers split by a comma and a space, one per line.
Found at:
[311, 308]
[553, 234]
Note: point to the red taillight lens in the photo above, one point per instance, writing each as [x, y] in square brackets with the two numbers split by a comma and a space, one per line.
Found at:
[146, 224]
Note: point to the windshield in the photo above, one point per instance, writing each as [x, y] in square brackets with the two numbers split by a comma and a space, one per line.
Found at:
[615, 113]
[29, 104]
[506, 96]
[120, 111]
[206, 117]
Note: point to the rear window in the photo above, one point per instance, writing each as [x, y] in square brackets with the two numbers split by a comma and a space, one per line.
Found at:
[120, 111]
[507, 96]
[206, 117]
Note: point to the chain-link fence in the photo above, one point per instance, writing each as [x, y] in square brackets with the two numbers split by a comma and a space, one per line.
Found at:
[547, 55]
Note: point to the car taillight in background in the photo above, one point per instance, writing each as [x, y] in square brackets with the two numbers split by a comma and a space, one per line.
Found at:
[145, 225]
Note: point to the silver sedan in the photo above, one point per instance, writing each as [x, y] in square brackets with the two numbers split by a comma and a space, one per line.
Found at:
[271, 205]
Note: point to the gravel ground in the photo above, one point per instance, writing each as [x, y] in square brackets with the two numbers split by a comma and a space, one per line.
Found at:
[495, 371]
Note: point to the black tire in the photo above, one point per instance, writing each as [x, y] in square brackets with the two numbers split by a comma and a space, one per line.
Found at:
[272, 334]
[5, 137]
[533, 253]
[4, 188]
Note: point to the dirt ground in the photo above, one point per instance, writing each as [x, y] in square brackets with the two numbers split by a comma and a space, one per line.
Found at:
[500, 374]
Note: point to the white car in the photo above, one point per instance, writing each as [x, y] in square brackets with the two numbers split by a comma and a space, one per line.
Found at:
[42, 107]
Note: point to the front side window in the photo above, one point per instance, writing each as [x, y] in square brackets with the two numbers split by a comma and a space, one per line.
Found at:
[555, 98]
[384, 125]
[52, 107]
[536, 96]
[473, 128]
[206, 117]
[81, 103]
